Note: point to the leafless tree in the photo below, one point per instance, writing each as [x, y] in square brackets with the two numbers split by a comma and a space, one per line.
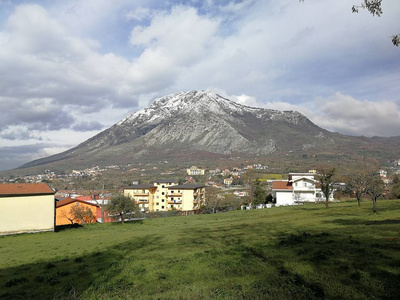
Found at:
[325, 178]
[374, 189]
[82, 214]
[356, 184]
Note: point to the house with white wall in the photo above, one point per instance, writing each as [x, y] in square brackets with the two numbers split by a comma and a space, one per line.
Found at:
[26, 207]
[299, 188]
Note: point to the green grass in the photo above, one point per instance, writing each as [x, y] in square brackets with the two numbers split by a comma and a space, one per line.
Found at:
[305, 252]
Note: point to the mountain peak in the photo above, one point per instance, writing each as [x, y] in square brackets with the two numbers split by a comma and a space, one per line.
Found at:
[197, 122]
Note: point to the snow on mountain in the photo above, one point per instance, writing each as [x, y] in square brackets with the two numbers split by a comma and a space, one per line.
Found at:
[202, 102]
[195, 122]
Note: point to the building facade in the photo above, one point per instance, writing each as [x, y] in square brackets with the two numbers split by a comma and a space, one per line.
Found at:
[299, 188]
[165, 195]
[195, 171]
[65, 215]
[26, 207]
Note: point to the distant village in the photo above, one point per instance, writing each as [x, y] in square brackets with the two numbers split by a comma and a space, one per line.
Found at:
[198, 190]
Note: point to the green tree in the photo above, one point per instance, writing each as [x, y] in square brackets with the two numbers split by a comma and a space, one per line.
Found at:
[121, 207]
[325, 178]
[259, 194]
[374, 189]
[396, 186]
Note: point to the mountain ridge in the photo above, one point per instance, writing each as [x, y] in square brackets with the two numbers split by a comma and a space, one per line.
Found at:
[195, 123]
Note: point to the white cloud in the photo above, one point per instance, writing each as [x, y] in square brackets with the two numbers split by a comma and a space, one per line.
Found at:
[69, 64]
[181, 36]
[139, 14]
[345, 114]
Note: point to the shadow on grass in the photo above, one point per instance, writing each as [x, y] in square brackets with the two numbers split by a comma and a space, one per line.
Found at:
[68, 278]
[363, 222]
[67, 227]
[366, 268]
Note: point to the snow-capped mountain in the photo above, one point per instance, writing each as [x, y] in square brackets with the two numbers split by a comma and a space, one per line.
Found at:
[200, 123]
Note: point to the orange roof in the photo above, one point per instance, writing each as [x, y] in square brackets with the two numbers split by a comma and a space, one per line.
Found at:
[282, 185]
[19, 189]
[71, 200]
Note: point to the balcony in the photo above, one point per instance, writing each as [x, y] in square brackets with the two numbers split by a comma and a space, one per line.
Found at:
[175, 195]
[175, 202]
[142, 202]
[141, 194]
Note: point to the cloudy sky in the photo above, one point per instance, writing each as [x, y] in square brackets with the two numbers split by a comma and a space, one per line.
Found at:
[71, 68]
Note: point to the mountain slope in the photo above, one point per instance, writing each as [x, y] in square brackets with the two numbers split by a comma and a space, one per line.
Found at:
[200, 123]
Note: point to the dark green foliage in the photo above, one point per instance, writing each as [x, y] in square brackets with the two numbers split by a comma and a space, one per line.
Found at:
[121, 208]
[259, 194]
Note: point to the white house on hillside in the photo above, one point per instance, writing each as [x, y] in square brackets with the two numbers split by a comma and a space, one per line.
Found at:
[300, 187]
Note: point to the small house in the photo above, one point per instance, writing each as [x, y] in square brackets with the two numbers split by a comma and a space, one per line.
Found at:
[26, 207]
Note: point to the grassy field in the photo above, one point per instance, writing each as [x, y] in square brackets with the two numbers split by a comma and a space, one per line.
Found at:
[305, 252]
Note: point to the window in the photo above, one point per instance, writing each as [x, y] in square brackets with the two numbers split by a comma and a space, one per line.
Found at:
[162, 200]
[172, 206]
[172, 192]
[172, 198]
[162, 193]
[163, 186]
[158, 197]
[162, 207]
[157, 203]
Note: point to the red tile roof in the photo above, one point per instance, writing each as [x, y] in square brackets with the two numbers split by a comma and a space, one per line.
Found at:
[20, 189]
[71, 200]
[282, 185]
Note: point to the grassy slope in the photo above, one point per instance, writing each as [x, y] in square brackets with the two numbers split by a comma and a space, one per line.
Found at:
[307, 252]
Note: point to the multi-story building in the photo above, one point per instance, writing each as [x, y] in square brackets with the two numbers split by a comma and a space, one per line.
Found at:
[161, 200]
[195, 171]
[186, 197]
[143, 195]
[164, 195]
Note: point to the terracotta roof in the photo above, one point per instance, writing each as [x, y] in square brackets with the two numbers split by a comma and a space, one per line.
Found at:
[282, 185]
[20, 189]
[71, 200]
[186, 186]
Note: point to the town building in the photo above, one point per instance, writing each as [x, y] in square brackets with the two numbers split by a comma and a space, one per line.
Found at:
[26, 207]
[299, 188]
[165, 195]
[228, 181]
[65, 214]
[195, 171]
[186, 197]
[143, 195]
